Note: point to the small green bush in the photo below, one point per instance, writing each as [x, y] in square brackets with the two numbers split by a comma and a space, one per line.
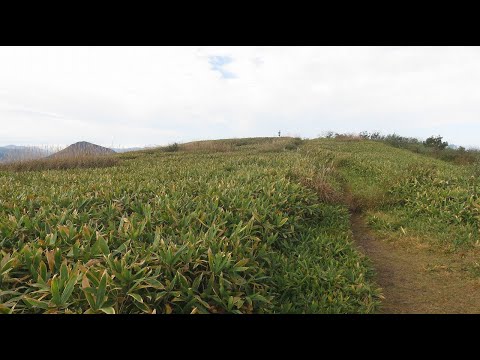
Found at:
[171, 148]
[436, 142]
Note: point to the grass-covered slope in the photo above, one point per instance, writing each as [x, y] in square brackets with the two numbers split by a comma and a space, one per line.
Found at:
[228, 226]
[252, 228]
[406, 194]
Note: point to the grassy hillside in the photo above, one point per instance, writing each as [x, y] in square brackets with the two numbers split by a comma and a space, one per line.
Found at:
[180, 232]
[407, 194]
[229, 226]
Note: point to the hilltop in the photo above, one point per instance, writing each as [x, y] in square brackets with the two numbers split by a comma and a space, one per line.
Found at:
[83, 148]
[272, 225]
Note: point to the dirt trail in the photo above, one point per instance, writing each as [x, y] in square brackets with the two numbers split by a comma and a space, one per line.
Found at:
[417, 280]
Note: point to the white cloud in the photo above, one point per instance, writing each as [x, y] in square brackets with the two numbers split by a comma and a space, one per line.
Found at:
[155, 95]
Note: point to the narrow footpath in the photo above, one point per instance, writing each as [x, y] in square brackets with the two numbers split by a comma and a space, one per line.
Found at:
[409, 282]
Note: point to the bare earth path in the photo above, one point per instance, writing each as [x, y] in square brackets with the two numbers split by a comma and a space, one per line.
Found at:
[417, 280]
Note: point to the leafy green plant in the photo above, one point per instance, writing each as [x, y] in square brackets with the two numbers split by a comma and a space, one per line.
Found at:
[216, 227]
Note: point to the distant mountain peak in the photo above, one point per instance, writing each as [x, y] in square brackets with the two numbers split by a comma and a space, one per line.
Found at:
[83, 143]
[83, 148]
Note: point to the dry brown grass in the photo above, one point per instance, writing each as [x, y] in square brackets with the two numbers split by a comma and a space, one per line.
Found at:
[207, 146]
[228, 145]
[61, 163]
[318, 180]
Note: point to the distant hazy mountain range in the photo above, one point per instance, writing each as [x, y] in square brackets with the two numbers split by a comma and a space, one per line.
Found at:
[14, 152]
[13, 147]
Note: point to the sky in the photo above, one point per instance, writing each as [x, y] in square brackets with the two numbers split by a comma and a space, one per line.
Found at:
[144, 96]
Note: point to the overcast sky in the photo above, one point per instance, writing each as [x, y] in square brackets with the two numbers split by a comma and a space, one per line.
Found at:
[135, 96]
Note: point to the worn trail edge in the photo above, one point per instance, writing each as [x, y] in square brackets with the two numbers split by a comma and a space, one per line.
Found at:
[408, 286]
